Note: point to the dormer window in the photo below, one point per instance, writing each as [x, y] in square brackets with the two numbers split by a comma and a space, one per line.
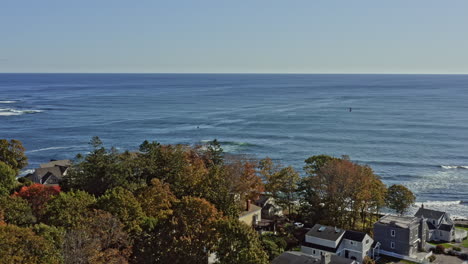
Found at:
[392, 233]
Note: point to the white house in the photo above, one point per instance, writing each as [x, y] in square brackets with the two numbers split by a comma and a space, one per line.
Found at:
[440, 226]
[353, 245]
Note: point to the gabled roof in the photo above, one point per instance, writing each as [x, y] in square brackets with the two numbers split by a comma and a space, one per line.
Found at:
[40, 173]
[354, 235]
[428, 213]
[325, 232]
[262, 200]
[445, 227]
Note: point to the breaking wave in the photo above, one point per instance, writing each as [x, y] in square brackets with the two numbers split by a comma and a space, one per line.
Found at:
[7, 102]
[44, 149]
[16, 112]
[25, 172]
[449, 167]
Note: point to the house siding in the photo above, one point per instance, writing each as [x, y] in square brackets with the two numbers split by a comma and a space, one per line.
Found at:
[382, 233]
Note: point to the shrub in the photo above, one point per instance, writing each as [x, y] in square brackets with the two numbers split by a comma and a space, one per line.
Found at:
[439, 249]
[456, 248]
[432, 258]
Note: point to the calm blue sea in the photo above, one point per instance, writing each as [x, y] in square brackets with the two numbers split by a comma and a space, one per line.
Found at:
[411, 129]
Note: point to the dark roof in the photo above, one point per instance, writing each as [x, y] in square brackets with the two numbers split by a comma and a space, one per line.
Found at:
[296, 257]
[445, 227]
[325, 232]
[428, 213]
[431, 226]
[354, 235]
[40, 173]
[323, 248]
[262, 200]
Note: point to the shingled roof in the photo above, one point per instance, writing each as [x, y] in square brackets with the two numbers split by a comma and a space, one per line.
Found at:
[354, 235]
[325, 232]
[428, 213]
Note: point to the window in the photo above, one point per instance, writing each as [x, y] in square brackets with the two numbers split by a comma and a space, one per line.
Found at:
[392, 232]
[440, 233]
[314, 251]
[367, 241]
[392, 244]
[352, 243]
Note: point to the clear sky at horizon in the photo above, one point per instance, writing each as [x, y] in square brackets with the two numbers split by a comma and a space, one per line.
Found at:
[256, 36]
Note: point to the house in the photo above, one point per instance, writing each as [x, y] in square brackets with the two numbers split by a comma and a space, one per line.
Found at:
[296, 257]
[321, 239]
[440, 226]
[50, 173]
[251, 215]
[269, 207]
[400, 236]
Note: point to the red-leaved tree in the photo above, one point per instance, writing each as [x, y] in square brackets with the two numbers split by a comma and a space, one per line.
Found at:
[38, 195]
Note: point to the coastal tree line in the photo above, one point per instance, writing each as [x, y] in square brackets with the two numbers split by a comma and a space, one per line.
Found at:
[176, 204]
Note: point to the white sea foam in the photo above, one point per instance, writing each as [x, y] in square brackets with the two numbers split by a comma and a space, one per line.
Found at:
[25, 172]
[449, 167]
[7, 102]
[16, 112]
[457, 209]
[50, 148]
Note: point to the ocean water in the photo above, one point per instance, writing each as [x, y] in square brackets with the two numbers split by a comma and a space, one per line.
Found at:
[411, 129]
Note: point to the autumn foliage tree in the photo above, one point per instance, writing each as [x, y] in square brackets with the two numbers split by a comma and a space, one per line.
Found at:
[38, 195]
[340, 192]
[280, 182]
[21, 245]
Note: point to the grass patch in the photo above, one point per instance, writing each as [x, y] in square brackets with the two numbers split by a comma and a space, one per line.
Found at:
[464, 243]
[462, 228]
[445, 245]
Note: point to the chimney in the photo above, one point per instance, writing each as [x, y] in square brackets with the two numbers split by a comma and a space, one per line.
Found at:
[325, 258]
[422, 205]
[247, 205]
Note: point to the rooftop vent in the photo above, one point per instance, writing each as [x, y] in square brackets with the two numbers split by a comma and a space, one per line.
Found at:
[337, 230]
[321, 229]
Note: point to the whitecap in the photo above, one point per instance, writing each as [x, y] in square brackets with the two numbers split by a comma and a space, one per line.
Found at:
[8, 102]
[16, 112]
[25, 172]
[449, 167]
[45, 149]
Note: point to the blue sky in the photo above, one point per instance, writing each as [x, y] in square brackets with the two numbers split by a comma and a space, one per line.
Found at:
[251, 36]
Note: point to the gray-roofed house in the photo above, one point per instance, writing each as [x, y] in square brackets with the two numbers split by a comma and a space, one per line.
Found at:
[353, 245]
[402, 237]
[296, 257]
[269, 207]
[440, 226]
[50, 173]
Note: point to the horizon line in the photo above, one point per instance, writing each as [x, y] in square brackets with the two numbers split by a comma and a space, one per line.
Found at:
[238, 73]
